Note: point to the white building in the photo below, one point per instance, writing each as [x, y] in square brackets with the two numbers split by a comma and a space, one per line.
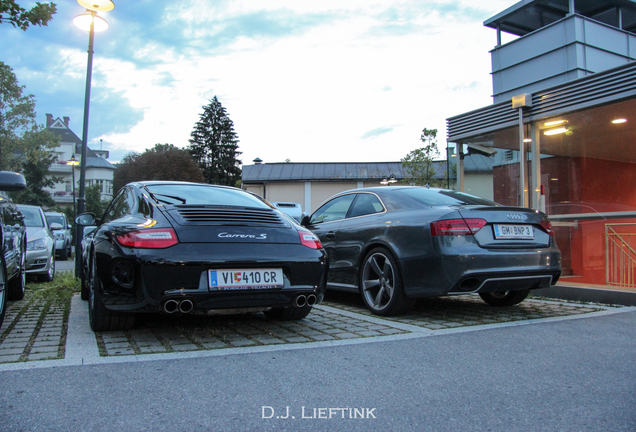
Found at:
[98, 169]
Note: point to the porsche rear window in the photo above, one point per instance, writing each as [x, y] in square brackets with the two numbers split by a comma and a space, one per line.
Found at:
[203, 195]
[441, 197]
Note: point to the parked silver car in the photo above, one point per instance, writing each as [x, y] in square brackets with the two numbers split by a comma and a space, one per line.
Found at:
[292, 209]
[63, 237]
[40, 256]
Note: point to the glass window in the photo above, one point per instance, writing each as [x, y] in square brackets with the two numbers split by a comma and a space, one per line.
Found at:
[121, 206]
[32, 217]
[366, 204]
[336, 209]
[55, 219]
[441, 197]
[203, 195]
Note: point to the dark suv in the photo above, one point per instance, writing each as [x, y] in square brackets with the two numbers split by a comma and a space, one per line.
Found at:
[13, 234]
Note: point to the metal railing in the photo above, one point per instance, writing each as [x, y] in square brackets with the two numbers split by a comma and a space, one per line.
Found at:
[620, 254]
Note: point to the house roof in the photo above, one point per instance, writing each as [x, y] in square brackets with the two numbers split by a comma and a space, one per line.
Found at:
[60, 129]
[336, 171]
[97, 162]
[477, 163]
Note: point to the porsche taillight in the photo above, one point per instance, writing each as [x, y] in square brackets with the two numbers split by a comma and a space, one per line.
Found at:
[309, 239]
[151, 238]
[456, 227]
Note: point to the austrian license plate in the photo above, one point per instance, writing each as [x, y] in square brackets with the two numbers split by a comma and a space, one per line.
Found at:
[514, 231]
[245, 279]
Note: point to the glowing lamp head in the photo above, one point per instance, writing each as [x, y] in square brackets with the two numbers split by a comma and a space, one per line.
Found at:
[97, 5]
[83, 21]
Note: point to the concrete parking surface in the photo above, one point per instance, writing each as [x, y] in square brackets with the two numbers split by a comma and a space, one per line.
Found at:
[450, 364]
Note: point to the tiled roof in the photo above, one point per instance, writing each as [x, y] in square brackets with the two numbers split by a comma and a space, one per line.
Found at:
[97, 162]
[68, 136]
[342, 171]
[477, 163]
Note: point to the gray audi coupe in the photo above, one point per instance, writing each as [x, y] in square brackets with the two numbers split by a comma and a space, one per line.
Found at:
[395, 244]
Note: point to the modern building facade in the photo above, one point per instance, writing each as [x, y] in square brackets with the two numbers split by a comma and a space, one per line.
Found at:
[98, 169]
[563, 125]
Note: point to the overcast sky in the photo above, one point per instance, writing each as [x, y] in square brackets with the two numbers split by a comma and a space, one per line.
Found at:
[309, 81]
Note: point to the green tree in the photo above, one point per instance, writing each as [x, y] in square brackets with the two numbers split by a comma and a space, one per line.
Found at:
[19, 17]
[37, 158]
[94, 202]
[25, 147]
[162, 162]
[419, 164]
[214, 145]
[17, 117]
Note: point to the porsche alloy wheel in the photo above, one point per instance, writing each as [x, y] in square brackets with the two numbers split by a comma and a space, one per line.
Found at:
[381, 284]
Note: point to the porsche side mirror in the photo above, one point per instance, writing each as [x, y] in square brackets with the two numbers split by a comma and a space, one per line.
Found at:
[85, 219]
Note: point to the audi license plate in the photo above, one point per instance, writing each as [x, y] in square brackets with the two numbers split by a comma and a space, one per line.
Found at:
[514, 231]
[245, 279]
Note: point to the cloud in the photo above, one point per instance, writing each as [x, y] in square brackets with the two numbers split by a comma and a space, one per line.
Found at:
[377, 132]
[301, 80]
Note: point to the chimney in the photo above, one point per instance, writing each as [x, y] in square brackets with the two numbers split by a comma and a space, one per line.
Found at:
[49, 120]
[257, 161]
[66, 120]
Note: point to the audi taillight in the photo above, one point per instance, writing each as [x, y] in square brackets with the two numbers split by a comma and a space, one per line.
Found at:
[547, 227]
[456, 227]
[150, 238]
[310, 240]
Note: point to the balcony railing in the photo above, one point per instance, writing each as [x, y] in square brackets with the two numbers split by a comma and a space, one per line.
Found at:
[620, 245]
[60, 168]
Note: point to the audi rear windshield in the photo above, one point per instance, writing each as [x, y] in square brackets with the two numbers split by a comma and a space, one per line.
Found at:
[442, 197]
[176, 194]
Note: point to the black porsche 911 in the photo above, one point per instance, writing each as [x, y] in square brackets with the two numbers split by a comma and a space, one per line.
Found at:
[176, 247]
[395, 244]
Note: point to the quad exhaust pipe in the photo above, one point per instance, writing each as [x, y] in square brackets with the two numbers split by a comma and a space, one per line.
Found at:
[184, 306]
[302, 300]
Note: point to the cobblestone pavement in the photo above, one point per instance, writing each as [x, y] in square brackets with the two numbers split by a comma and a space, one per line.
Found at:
[35, 330]
[187, 333]
[464, 310]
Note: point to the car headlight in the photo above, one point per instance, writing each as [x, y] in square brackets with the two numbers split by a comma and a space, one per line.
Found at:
[36, 244]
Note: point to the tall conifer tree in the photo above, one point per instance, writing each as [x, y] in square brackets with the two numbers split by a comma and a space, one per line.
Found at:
[214, 145]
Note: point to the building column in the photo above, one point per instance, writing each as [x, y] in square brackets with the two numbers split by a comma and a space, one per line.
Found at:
[460, 166]
[538, 202]
[307, 198]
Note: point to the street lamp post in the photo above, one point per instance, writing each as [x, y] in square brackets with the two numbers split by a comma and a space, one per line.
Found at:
[73, 163]
[90, 22]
